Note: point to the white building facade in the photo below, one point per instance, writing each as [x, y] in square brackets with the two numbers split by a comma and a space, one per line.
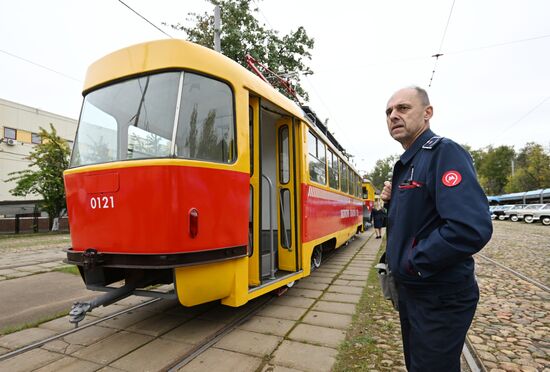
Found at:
[19, 128]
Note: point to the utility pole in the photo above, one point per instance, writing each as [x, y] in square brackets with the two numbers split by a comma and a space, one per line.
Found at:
[217, 29]
[513, 168]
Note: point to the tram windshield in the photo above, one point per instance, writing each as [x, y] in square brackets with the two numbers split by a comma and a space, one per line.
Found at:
[137, 119]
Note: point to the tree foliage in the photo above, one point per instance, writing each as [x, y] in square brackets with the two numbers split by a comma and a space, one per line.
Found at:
[494, 166]
[44, 177]
[532, 169]
[242, 34]
[382, 170]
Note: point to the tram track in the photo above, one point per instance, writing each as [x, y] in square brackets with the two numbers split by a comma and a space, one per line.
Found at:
[516, 273]
[42, 342]
[17, 266]
[199, 348]
[471, 354]
[262, 302]
[210, 341]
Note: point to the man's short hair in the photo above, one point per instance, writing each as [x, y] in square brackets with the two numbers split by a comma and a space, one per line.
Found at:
[422, 94]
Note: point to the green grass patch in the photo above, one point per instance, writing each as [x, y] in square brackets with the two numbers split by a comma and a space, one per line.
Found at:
[32, 235]
[71, 269]
[36, 323]
[373, 341]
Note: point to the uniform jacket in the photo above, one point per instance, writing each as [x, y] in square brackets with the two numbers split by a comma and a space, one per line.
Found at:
[438, 215]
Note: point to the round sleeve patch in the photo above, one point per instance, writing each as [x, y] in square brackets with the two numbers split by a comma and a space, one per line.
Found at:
[451, 178]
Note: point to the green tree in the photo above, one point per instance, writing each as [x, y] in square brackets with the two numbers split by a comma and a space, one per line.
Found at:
[494, 167]
[532, 169]
[242, 34]
[477, 156]
[45, 176]
[381, 171]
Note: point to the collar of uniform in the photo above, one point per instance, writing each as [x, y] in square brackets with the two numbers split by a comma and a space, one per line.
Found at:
[417, 145]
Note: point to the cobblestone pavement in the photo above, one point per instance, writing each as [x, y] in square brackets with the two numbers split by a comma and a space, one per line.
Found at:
[522, 247]
[511, 329]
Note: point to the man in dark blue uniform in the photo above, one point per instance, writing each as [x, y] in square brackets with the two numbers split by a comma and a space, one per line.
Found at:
[438, 218]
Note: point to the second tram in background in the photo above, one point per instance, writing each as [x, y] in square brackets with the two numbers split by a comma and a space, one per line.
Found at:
[189, 169]
[368, 193]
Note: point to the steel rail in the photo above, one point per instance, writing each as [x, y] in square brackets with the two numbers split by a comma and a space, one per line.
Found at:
[469, 351]
[201, 348]
[29, 264]
[209, 341]
[472, 358]
[38, 344]
[516, 273]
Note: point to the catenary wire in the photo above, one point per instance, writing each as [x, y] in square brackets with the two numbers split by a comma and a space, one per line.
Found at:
[524, 116]
[145, 19]
[439, 54]
[498, 44]
[39, 65]
[310, 82]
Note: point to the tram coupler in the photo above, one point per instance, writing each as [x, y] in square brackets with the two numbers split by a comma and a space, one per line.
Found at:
[79, 309]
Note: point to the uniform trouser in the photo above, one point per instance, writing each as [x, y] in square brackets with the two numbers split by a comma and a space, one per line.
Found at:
[434, 327]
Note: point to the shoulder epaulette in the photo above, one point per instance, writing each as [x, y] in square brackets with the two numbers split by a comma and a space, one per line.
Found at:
[432, 142]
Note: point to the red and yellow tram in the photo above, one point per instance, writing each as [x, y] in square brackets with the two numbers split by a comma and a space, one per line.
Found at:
[368, 192]
[189, 169]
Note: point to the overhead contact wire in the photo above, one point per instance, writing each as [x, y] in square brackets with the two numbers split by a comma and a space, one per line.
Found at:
[439, 54]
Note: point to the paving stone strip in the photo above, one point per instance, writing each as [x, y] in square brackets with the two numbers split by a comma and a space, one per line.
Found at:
[299, 331]
[309, 322]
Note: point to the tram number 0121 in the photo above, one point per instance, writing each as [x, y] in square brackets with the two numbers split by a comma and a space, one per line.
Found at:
[102, 202]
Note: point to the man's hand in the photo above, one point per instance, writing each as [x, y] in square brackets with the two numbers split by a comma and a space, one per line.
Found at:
[386, 192]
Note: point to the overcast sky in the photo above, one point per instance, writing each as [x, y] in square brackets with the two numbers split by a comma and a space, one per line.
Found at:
[491, 86]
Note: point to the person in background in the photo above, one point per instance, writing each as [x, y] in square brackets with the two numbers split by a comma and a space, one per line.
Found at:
[378, 218]
[438, 217]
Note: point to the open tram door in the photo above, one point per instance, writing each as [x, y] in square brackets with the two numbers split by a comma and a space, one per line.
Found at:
[286, 205]
[272, 226]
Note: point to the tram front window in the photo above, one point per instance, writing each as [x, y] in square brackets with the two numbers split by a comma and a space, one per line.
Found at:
[134, 119]
[128, 120]
[206, 121]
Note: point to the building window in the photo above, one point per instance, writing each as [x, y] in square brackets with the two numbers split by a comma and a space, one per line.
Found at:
[36, 138]
[10, 133]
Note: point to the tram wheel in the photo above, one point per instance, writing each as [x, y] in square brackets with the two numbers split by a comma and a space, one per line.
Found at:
[545, 221]
[316, 258]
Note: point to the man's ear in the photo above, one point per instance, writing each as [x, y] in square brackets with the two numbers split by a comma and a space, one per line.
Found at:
[428, 112]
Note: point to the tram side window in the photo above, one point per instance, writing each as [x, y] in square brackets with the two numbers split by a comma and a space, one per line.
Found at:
[206, 125]
[344, 179]
[316, 159]
[332, 170]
